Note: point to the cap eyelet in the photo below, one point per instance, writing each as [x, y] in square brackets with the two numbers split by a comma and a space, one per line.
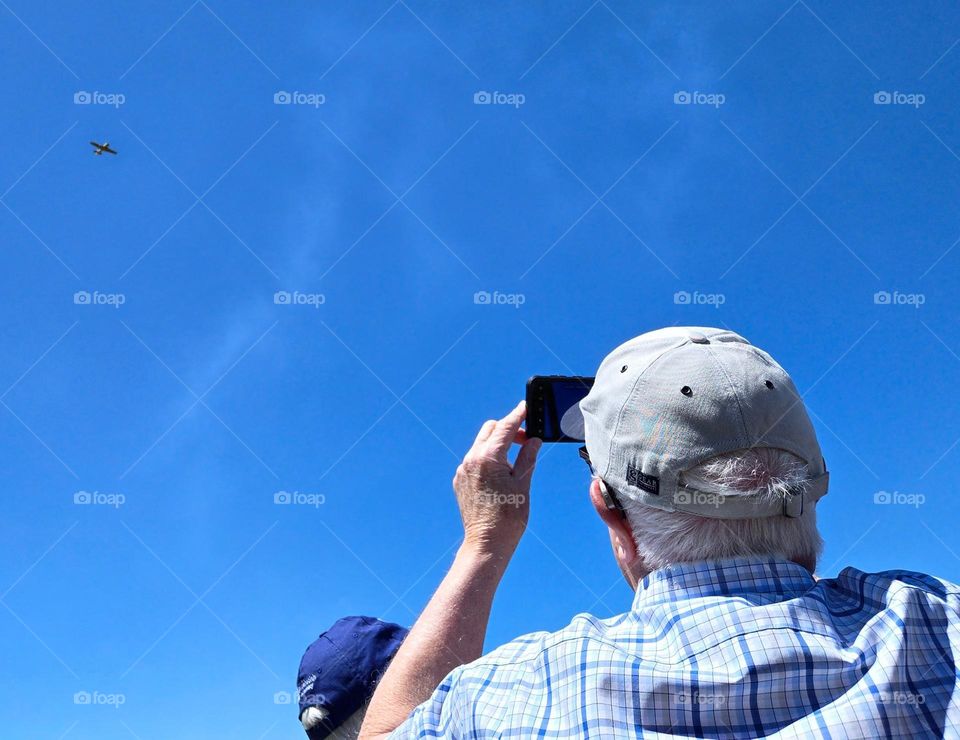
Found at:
[623, 369]
[686, 390]
[768, 383]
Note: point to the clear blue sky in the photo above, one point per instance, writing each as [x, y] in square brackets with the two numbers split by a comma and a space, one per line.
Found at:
[593, 199]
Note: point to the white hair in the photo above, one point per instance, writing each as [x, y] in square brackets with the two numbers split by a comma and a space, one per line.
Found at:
[664, 537]
[348, 730]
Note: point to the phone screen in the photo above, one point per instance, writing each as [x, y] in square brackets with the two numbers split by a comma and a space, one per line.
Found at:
[549, 398]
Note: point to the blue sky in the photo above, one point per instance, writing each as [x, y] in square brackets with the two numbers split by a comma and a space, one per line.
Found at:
[814, 166]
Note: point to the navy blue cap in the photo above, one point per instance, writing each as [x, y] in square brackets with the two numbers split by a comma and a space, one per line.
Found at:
[340, 669]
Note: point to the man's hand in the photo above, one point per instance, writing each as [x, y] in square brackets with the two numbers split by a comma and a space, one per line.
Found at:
[494, 497]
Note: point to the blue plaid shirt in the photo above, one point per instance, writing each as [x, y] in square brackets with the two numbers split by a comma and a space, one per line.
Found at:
[732, 648]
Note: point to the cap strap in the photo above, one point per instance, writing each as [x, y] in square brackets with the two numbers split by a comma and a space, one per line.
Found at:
[716, 506]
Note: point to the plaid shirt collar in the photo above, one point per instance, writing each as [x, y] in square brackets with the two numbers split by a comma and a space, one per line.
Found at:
[728, 577]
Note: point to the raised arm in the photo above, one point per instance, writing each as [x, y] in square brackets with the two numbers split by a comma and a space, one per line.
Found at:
[494, 501]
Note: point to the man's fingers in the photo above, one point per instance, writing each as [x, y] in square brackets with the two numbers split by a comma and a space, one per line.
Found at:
[505, 432]
[485, 431]
[527, 459]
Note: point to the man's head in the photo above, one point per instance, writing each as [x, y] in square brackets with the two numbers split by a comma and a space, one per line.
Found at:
[701, 449]
[339, 672]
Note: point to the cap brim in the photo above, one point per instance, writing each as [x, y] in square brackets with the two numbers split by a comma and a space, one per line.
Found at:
[571, 424]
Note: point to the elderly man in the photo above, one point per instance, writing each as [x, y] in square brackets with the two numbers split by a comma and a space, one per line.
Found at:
[706, 471]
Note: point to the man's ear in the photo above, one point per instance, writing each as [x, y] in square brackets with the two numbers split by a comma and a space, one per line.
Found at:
[620, 533]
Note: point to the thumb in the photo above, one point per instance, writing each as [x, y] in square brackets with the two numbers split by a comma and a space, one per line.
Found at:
[527, 459]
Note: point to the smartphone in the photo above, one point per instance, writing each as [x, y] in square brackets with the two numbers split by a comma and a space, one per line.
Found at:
[549, 398]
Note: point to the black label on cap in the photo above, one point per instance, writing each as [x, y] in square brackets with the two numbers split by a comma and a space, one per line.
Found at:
[648, 483]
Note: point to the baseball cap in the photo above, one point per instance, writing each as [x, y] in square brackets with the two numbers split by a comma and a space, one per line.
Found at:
[340, 669]
[668, 400]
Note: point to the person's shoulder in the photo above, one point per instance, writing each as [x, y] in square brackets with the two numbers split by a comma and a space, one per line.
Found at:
[518, 671]
[532, 647]
[887, 585]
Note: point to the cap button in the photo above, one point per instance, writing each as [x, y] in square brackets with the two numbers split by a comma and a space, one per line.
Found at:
[699, 338]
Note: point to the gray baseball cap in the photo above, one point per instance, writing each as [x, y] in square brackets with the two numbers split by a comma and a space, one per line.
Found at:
[671, 399]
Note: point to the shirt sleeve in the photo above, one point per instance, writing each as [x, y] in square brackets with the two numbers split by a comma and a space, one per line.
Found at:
[438, 716]
[475, 696]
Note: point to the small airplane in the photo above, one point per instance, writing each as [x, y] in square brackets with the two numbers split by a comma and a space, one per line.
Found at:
[99, 149]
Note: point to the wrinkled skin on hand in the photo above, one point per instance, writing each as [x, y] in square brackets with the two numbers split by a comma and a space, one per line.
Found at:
[493, 495]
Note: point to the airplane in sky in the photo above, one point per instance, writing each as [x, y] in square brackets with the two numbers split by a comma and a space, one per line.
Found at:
[99, 149]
